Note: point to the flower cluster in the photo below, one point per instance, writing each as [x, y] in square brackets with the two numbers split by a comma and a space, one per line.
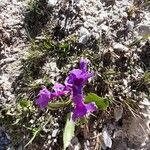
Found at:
[73, 85]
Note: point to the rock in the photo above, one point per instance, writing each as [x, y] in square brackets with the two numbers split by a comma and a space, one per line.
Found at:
[84, 35]
[106, 139]
[87, 24]
[130, 25]
[4, 79]
[144, 30]
[136, 132]
[54, 133]
[83, 39]
[8, 60]
[83, 31]
[145, 102]
[118, 111]
[4, 139]
[109, 2]
[120, 144]
[120, 47]
[51, 3]
[105, 28]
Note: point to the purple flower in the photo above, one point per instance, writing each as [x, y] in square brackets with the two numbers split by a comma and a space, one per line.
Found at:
[44, 97]
[83, 64]
[79, 76]
[75, 81]
[74, 84]
[59, 90]
[82, 109]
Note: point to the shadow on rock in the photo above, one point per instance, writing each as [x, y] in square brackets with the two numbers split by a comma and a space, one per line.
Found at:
[36, 17]
[145, 55]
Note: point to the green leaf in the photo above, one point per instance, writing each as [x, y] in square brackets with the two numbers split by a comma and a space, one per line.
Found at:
[101, 102]
[64, 45]
[47, 44]
[35, 133]
[57, 105]
[68, 132]
[24, 103]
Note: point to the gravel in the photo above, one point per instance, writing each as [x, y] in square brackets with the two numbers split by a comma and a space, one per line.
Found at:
[4, 140]
[13, 43]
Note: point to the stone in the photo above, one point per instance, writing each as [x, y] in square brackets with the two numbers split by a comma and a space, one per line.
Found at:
[118, 111]
[4, 139]
[84, 35]
[51, 3]
[120, 47]
[136, 131]
[144, 30]
[130, 25]
[106, 139]
[54, 133]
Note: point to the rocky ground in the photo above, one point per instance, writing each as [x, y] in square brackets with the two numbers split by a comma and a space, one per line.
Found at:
[41, 40]
[13, 45]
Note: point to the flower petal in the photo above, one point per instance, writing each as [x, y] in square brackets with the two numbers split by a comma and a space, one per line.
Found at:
[81, 109]
[91, 107]
[60, 90]
[83, 64]
[77, 77]
[77, 99]
[44, 97]
[58, 87]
